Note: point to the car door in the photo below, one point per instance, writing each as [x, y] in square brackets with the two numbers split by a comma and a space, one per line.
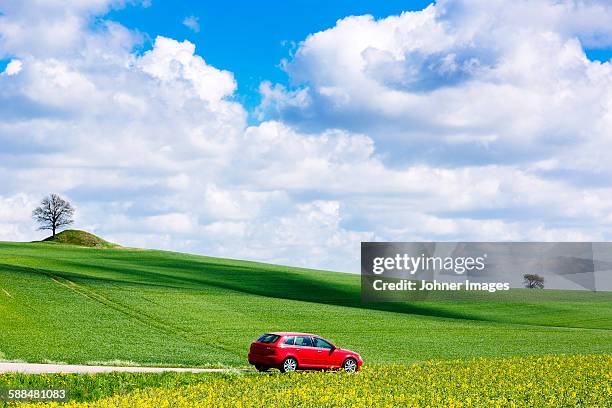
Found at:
[324, 352]
[305, 352]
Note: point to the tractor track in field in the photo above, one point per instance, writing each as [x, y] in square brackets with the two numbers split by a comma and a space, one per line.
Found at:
[137, 315]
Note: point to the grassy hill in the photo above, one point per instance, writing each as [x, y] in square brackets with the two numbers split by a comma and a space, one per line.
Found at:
[80, 238]
[76, 304]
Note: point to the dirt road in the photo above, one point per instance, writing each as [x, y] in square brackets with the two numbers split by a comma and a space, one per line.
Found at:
[29, 368]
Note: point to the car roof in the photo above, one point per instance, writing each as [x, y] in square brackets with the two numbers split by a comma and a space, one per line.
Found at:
[293, 334]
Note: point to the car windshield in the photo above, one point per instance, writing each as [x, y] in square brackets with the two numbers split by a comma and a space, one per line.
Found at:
[268, 338]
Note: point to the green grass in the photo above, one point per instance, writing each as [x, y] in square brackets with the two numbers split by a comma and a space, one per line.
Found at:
[77, 305]
[91, 387]
[80, 238]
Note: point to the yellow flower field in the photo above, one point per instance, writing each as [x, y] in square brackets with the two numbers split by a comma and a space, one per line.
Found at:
[551, 381]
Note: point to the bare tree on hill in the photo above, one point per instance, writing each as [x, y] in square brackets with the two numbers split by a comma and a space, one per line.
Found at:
[53, 213]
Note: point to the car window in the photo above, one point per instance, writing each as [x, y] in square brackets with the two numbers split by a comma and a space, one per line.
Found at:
[268, 338]
[320, 343]
[290, 340]
[303, 341]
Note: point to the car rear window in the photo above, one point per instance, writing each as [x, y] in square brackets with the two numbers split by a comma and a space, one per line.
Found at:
[290, 340]
[268, 338]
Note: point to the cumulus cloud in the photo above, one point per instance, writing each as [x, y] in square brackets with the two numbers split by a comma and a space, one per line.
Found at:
[13, 67]
[193, 23]
[458, 82]
[52, 28]
[153, 150]
[171, 61]
[15, 213]
[463, 121]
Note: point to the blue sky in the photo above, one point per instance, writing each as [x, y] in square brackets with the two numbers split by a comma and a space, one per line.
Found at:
[463, 120]
[599, 54]
[250, 38]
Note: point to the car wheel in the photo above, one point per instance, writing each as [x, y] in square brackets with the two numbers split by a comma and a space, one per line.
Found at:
[261, 368]
[349, 365]
[289, 364]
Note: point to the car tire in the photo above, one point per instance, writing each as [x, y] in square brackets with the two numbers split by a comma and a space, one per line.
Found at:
[350, 365]
[261, 368]
[289, 364]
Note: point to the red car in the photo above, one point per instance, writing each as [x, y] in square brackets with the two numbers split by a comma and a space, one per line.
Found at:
[289, 351]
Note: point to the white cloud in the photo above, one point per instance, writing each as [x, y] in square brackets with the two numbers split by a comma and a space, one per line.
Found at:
[453, 123]
[459, 82]
[179, 223]
[193, 23]
[15, 218]
[172, 62]
[48, 27]
[13, 67]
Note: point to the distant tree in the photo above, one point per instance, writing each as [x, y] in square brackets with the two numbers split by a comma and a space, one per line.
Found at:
[53, 213]
[533, 281]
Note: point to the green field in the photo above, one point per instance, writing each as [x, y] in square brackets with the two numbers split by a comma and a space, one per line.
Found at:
[73, 304]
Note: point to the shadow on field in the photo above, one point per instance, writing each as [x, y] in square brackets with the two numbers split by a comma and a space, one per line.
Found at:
[284, 283]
